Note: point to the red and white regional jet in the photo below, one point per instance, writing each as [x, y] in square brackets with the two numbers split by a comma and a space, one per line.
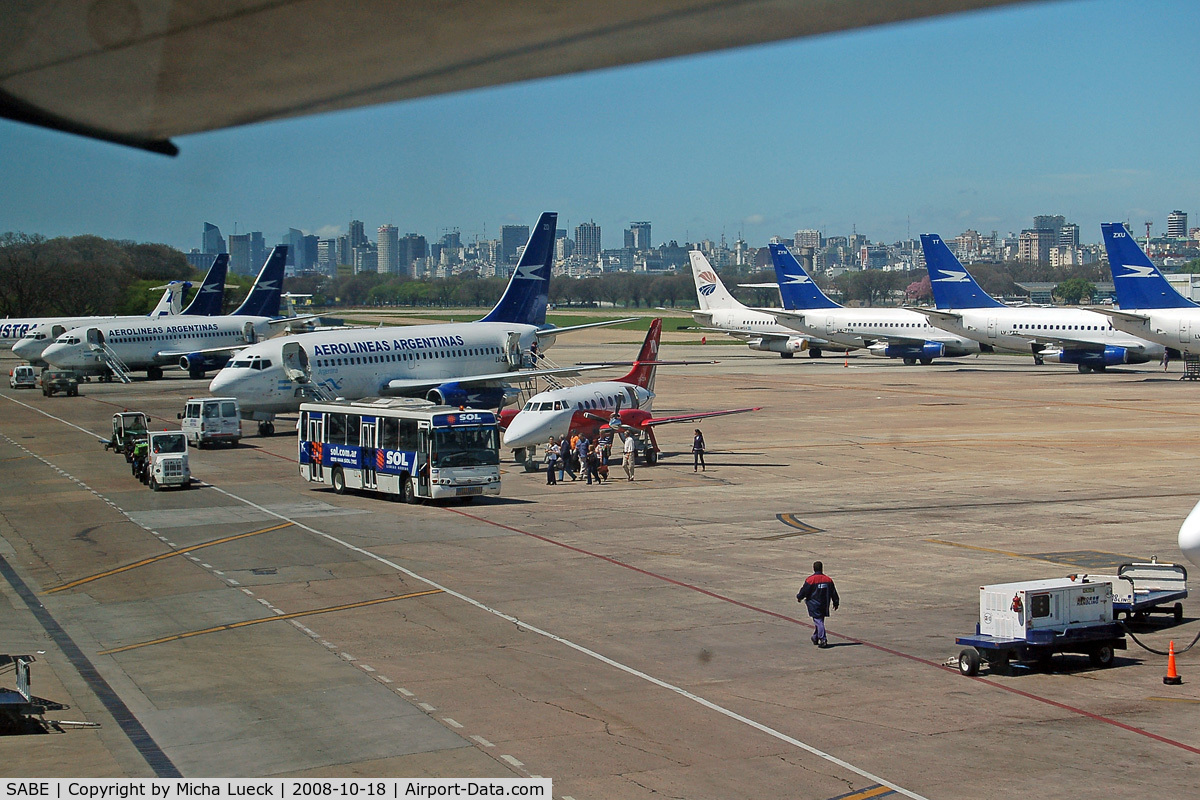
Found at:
[621, 406]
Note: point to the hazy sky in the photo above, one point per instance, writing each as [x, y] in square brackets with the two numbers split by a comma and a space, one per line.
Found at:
[1086, 108]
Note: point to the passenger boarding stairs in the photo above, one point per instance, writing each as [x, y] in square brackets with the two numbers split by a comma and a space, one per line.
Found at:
[111, 360]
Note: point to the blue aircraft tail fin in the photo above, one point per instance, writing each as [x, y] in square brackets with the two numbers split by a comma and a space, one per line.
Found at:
[953, 286]
[208, 299]
[1138, 282]
[796, 287]
[263, 300]
[524, 300]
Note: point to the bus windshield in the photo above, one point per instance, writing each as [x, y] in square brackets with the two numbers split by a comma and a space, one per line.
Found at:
[466, 447]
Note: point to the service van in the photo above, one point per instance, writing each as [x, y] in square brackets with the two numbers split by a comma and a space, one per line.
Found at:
[22, 376]
[209, 420]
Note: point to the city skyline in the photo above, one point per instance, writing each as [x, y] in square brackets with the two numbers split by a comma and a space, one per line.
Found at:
[1063, 108]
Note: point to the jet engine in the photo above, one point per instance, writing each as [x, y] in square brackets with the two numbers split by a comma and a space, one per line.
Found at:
[455, 394]
[785, 347]
[910, 353]
[197, 364]
[1089, 360]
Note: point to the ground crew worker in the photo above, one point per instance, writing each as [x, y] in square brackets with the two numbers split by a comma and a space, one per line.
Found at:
[817, 593]
[627, 455]
[141, 450]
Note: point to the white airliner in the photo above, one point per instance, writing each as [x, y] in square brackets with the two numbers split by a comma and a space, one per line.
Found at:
[196, 343]
[207, 301]
[1150, 306]
[621, 406]
[887, 332]
[1065, 335]
[463, 363]
[721, 312]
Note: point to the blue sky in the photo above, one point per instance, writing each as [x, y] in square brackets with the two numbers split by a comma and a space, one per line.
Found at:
[1085, 108]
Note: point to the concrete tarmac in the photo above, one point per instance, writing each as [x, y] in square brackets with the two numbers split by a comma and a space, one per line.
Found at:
[633, 639]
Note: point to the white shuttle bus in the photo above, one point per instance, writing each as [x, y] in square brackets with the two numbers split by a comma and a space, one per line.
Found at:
[410, 449]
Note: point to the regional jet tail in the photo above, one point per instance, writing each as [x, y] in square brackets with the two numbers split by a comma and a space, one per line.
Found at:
[1138, 282]
[953, 286]
[210, 295]
[528, 291]
[797, 289]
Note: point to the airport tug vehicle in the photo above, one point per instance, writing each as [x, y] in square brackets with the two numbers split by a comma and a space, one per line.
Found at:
[1033, 620]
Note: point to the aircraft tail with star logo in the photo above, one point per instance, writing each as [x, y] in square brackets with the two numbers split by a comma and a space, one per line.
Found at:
[524, 300]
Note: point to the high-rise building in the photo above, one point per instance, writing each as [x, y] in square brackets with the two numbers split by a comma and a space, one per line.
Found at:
[358, 235]
[239, 254]
[511, 238]
[294, 239]
[587, 240]
[309, 243]
[366, 258]
[327, 256]
[637, 236]
[389, 250]
[412, 247]
[1177, 225]
[808, 238]
[211, 241]
[1068, 236]
[1052, 222]
[258, 251]
[1035, 244]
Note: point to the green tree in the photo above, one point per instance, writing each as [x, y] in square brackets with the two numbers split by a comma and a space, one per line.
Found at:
[1074, 290]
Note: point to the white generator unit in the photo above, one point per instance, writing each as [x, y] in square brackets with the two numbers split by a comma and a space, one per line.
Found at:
[1013, 610]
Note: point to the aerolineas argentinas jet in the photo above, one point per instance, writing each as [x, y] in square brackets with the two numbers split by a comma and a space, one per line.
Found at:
[1150, 306]
[196, 343]
[1065, 335]
[461, 364]
[621, 406]
[206, 302]
[887, 332]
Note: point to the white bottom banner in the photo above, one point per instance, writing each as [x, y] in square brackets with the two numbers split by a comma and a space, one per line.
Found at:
[225, 788]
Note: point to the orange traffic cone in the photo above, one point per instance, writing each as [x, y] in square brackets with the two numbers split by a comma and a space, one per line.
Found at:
[847, 362]
[1172, 677]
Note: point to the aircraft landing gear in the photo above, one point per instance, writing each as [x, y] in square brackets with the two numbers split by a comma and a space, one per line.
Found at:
[815, 352]
[154, 373]
[266, 428]
[786, 355]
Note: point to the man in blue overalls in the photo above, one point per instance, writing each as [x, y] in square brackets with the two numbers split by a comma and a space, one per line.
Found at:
[817, 593]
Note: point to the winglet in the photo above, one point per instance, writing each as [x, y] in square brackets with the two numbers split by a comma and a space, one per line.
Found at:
[953, 286]
[524, 299]
[1138, 282]
[263, 300]
[797, 289]
[210, 295]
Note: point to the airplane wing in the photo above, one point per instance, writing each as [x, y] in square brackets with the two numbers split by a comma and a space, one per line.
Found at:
[1067, 343]
[1132, 316]
[573, 328]
[289, 320]
[140, 73]
[744, 335]
[417, 384]
[205, 351]
[758, 285]
[935, 313]
[698, 415]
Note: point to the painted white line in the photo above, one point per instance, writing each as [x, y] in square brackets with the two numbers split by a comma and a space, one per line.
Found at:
[404, 691]
[383, 679]
[451, 723]
[248, 592]
[483, 741]
[193, 558]
[232, 582]
[366, 668]
[512, 761]
[218, 572]
[348, 657]
[426, 707]
[207, 566]
[330, 645]
[695, 698]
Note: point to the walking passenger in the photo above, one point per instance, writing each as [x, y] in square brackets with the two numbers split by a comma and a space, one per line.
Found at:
[817, 593]
[698, 451]
[628, 450]
[551, 462]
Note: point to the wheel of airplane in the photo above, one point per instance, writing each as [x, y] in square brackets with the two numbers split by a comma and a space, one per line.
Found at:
[651, 457]
[786, 355]
[815, 352]
[338, 479]
[154, 373]
[266, 428]
[197, 373]
[519, 455]
[908, 362]
[926, 361]
[1084, 369]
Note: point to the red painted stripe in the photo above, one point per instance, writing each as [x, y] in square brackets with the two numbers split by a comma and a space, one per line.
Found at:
[1037, 698]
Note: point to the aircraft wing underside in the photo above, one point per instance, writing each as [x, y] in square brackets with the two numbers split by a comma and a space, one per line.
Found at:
[404, 385]
[141, 73]
[698, 415]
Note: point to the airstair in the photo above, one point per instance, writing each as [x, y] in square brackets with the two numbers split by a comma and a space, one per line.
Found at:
[298, 369]
[108, 356]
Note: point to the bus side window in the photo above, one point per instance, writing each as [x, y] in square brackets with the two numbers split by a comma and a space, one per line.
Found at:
[388, 434]
[335, 428]
[408, 434]
[352, 421]
[303, 424]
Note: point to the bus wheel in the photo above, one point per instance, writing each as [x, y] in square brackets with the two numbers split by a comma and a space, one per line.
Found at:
[338, 479]
[407, 493]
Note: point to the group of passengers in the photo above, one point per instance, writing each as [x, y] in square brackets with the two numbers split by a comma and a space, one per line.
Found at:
[575, 456]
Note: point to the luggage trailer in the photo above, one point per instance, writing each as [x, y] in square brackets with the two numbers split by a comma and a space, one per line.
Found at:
[1144, 588]
[1033, 620]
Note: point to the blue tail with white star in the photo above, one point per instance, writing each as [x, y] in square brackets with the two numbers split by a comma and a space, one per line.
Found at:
[207, 302]
[263, 300]
[524, 300]
[1138, 282]
[797, 289]
[953, 286]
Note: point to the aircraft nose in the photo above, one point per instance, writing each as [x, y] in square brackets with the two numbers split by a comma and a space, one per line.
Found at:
[525, 430]
[1189, 536]
[24, 349]
[60, 355]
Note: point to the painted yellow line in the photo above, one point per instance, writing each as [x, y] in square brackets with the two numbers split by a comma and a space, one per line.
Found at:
[877, 791]
[276, 618]
[1174, 699]
[791, 521]
[988, 550]
[155, 559]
